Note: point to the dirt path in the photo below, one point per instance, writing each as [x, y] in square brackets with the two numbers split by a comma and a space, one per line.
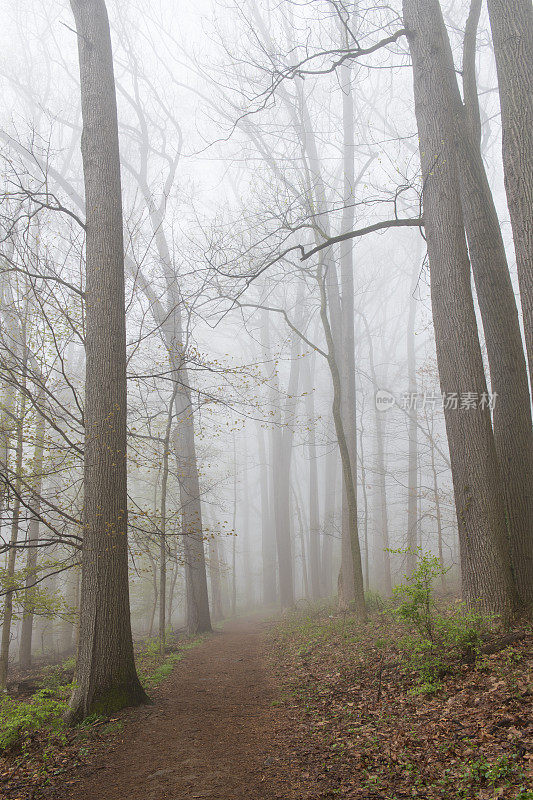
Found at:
[209, 735]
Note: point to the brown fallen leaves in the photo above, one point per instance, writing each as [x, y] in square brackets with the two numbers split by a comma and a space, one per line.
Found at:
[361, 728]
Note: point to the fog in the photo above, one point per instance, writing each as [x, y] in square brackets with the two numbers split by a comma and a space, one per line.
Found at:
[250, 134]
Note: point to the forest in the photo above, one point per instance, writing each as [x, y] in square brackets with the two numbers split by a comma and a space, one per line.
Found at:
[266, 372]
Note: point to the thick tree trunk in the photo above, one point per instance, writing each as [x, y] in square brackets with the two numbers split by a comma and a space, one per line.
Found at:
[476, 477]
[513, 432]
[106, 678]
[511, 23]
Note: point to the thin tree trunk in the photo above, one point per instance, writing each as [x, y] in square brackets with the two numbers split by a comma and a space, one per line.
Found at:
[349, 482]
[328, 534]
[163, 536]
[348, 397]
[234, 535]
[245, 538]
[384, 569]
[412, 427]
[155, 594]
[15, 520]
[198, 617]
[314, 511]
[365, 510]
[301, 531]
[282, 438]
[214, 574]
[438, 518]
[268, 552]
[33, 538]
[170, 324]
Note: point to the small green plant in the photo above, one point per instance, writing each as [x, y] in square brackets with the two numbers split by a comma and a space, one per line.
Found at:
[504, 772]
[437, 638]
[18, 720]
[415, 595]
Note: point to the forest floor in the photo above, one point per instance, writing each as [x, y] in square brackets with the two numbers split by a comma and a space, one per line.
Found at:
[311, 706]
[210, 733]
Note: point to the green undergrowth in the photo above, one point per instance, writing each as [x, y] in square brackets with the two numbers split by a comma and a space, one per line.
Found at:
[424, 699]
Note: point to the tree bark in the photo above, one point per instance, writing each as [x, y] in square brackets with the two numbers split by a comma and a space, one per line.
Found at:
[511, 23]
[106, 678]
[513, 432]
[475, 472]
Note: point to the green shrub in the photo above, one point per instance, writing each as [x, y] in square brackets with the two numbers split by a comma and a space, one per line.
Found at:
[438, 638]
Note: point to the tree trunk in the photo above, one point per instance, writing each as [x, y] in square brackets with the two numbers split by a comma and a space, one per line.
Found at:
[383, 561]
[15, 521]
[347, 472]
[106, 678]
[245, 536]
[163, 537]
[475, 472]
[366, 567]
[348, 398]
[511, 23]
[214, 574]
[268, 551]
[234, 534]
[301, 531]
[33, 538]
[328, 525]
[198, 617]
[412, 427]
[314, 512]
[282, 437]
[513, 432]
